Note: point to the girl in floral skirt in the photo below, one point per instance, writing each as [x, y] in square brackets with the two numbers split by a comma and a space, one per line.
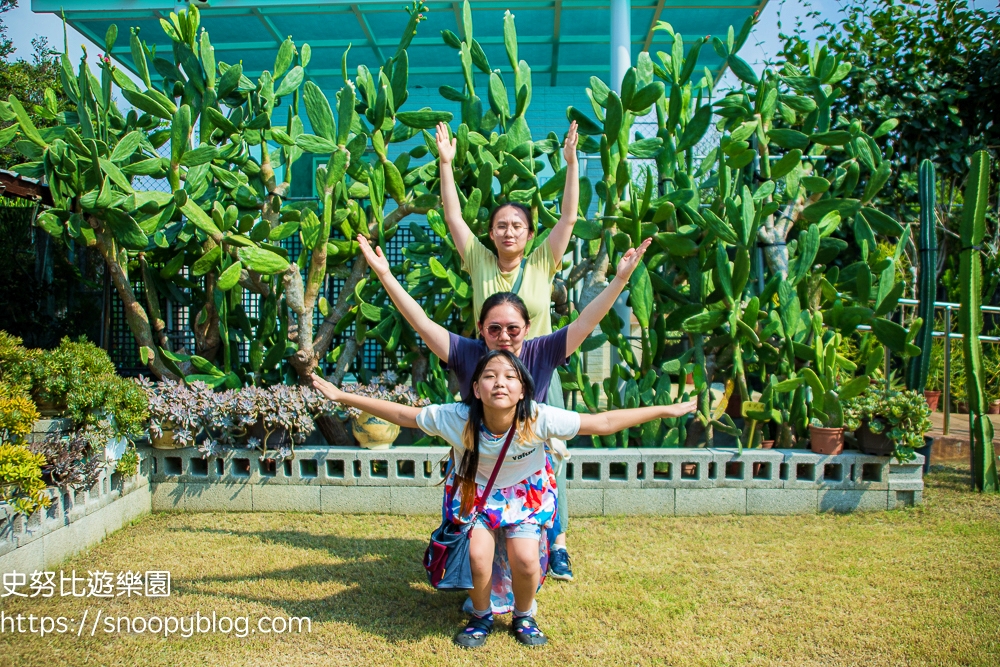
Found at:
[523, 499]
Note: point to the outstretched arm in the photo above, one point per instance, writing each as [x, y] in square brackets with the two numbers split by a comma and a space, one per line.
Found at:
[403, 415]
[434, 335]
[563, 231]
[460, 232]
[583, 326]
[613, 421]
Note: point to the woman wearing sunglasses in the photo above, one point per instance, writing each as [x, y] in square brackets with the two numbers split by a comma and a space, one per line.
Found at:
[528, 276]
[505, 324]
[523, 498]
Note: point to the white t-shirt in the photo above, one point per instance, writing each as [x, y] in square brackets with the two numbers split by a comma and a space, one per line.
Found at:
[523, 458]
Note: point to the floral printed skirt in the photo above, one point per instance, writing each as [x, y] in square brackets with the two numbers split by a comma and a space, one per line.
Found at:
[532, 501]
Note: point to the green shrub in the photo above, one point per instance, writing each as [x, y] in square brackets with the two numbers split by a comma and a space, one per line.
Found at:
[21, 482]
[128, 463]
[17, 413]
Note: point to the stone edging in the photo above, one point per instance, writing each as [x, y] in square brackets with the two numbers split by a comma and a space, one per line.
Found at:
[405, 480]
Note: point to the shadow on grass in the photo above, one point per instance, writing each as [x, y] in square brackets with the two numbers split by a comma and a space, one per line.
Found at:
[950, 476]
[381, 577]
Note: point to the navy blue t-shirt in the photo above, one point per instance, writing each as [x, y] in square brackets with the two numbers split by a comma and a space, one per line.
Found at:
[541, 356]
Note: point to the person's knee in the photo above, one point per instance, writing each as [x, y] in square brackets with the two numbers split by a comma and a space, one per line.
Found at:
[524, 557]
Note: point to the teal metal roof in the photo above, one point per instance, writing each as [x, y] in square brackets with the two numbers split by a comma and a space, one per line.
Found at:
[564, 41]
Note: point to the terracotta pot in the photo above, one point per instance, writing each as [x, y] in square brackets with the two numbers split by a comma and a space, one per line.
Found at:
[875, 444]
[828, 441]
[374, 433]
[994, 408]
[933, 398]
[165, 441]
[766, 444]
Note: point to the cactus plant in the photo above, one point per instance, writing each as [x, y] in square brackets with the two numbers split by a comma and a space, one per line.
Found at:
[916, 377]
[972, 230]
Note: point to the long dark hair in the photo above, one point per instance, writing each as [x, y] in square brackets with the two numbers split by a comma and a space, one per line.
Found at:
[500, 298]
[523, 208]
[465, 477]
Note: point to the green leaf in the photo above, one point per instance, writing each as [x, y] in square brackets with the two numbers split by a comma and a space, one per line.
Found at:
[319, 112]
[588, 230]
[371, 313]
[126, 146]
[199, 218]
[885, 128]
[311, 143]
[890, 334]
[832, 138]
[424, 119]
[787, 138]
[880, 222]
[705, 322]
[742, 70]
[125, 229]
[263, 261]
[291, 81]
[613, 118]
[229, 278]
[853, 388]
[207, 262]
[641, 295]
[696, 128]
[27, 127]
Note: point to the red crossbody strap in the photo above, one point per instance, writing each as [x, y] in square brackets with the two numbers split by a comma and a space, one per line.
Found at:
[496, 469]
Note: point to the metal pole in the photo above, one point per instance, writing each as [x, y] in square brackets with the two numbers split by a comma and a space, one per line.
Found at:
[621, 41]
[947, 368]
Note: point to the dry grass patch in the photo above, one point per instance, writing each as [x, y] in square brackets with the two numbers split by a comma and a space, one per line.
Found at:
[917, 587]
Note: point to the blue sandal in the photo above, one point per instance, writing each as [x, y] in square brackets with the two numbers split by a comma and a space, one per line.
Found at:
[475, 632]
[525, 630]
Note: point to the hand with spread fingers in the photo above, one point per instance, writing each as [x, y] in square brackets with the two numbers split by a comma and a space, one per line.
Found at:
[445, 144]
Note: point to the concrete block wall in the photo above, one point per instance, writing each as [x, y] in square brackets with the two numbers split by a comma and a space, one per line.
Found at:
[73, 522]
[407, 480]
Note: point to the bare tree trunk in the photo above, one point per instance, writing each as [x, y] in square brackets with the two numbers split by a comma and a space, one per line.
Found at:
[135, 315]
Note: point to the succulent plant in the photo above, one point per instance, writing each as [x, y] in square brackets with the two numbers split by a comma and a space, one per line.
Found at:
[902, 416]
[384, 387]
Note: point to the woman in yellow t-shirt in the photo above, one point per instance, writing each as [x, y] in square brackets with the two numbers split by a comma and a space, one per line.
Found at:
[511, 226]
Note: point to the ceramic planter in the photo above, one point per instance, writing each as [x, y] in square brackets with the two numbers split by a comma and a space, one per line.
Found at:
[165, 441]
[994, 408]
[933, 398]
[766, 444]
[875, 444]
[827, 441]
[372, 432]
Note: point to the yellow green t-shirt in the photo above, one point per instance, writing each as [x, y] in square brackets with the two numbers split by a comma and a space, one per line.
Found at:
[536, 288]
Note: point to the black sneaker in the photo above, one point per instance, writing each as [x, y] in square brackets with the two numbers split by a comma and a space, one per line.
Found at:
[559, 567]
[526, 631]
[475, 632]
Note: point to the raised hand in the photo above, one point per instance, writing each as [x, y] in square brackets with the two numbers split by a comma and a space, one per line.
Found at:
[569, 147]
[374, 257]
[445, 146]
[631, 259]
[325, 387]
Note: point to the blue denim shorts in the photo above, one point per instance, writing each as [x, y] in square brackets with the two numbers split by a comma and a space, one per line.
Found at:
[526, 530]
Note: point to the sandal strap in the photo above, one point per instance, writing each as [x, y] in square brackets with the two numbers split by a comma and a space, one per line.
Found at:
[481, 625]
[526, 625]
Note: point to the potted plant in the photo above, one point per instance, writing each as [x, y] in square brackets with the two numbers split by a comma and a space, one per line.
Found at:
[275, 418]
[176, 412]
[826, 413]
[370, 431]
[935, 375]
[889, 422]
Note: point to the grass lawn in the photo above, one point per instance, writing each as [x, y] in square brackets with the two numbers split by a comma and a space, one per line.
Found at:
[908, 587]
